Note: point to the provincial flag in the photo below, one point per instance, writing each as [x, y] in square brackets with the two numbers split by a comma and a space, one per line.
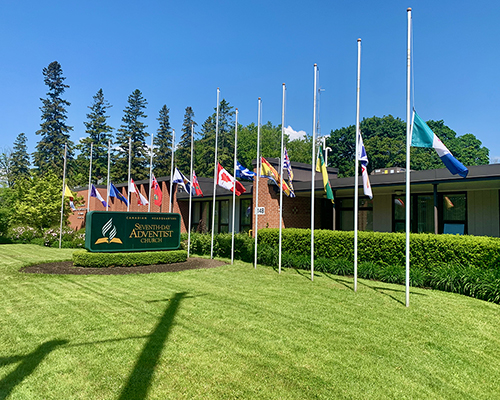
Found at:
[288, 166]
[141, 199]
[423, 136]
[363, 158]
[196, 185]
[244, 173]
[182, 181]
[67, 193]
[158, 195]
[114, 192]
[225, 180]
[95, 193]
[269, 172]
[321, 167]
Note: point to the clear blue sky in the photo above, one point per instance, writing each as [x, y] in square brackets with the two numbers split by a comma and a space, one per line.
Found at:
[178, 52]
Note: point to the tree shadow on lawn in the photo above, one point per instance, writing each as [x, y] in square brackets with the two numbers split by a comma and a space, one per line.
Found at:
[28, 364]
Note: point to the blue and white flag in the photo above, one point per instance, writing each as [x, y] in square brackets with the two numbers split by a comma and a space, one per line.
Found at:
[95, 193]
[363, 159]
[114, 192]
[244, 173]
[181, 180]
[422, 136]
[288, 166]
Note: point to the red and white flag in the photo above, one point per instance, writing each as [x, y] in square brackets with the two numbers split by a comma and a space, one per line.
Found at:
[141, 200]
[225, 180]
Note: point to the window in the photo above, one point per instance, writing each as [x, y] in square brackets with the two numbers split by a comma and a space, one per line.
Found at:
[346, 214]
[454, 213]
[201, 217]
[245, 215]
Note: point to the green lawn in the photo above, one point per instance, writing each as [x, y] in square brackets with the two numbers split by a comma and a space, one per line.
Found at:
[236, 332]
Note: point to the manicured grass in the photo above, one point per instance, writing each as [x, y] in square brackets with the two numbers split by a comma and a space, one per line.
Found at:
[235, 332]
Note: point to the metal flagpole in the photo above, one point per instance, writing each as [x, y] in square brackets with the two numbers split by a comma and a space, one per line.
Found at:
[257, 178]
[215, 176]
[281, 172]
[234, 183]
[129, 158]
[109, 167]
[62, 201]
[90, 175]
[171, 173]
[150, 172]
[313, 169]
[356, 172]
[190, 187]
[408, 140]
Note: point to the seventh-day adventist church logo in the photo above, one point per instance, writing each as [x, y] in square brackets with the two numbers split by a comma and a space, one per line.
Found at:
[109, 234]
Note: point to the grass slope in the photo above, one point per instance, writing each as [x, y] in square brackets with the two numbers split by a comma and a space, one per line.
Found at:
[235, 332]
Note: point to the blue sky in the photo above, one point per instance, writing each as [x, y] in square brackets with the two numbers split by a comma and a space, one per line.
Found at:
[177, 53]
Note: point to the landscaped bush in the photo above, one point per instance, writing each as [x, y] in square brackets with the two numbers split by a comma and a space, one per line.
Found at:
[84, 258]
[243, 245]
[22, 234]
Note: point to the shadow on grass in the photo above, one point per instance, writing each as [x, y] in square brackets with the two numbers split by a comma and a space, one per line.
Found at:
[383, 290]
[140, 379]
[28, 364]
[302, 273]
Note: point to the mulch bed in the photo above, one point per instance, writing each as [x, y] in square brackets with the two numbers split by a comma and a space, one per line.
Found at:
[67, 268]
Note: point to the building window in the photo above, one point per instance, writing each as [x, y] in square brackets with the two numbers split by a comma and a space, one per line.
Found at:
[201, 217]
[245, 215]
[454, 213]
[346, 214]
[223, 220]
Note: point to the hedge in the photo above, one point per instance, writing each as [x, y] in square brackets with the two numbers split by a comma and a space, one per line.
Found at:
[84, 258]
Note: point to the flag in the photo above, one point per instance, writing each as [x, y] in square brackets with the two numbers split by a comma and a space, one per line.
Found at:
[244, 173]
[363, 158]
[196, 185]
[68, 193]
[95, 193]
[321, 167]
[225, 180]
[422, 136]
[141, 199]
[288, 166]
[158, 196]
[181, 180]
[269, 172]
[448, 203]
[114, 192]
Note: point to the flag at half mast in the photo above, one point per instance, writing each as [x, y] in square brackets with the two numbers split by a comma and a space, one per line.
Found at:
[321, 167]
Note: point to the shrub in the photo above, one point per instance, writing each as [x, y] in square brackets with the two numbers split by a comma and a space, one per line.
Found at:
[22, 234]
[85, 258]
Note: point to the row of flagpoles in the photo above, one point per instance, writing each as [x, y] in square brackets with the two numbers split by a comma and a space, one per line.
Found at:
[418, 135]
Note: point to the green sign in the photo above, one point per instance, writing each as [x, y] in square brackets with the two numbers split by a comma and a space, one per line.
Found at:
[108, 231]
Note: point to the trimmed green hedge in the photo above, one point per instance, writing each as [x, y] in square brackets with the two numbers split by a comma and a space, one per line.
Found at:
[84, 258]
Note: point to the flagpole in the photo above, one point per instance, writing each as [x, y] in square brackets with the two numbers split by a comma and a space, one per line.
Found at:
[190, 187]
[281, 174]
[151, 172]
[234, 183]
[90, 175]
[408, 140]
[257, 177]
[129, 158]
[313, 170]
[62, 201]
[215, 176]
[171, 172]
[356, 172]
[109, 166]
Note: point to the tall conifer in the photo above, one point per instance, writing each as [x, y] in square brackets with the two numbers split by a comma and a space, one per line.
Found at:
[163, 144]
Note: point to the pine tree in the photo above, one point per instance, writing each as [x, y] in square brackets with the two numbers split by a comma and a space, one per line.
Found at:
[99, 133]
[133, 128]
[49, 154]
[20, 159]
[183, 153]
[163, 145]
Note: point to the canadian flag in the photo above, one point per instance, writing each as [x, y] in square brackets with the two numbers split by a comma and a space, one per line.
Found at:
[141, 200]
[225, 180]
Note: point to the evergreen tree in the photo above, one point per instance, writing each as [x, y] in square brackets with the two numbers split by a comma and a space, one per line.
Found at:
[163, 144]
[99, 133]
[135, 129]
[183, 152]
[20, 159]
[49, 154]
[225, 141]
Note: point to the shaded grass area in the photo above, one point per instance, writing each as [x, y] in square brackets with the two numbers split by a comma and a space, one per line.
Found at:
[235, 332]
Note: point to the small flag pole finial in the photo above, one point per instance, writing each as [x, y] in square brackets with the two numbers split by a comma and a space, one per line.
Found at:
[359, 40]
[408, 9]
